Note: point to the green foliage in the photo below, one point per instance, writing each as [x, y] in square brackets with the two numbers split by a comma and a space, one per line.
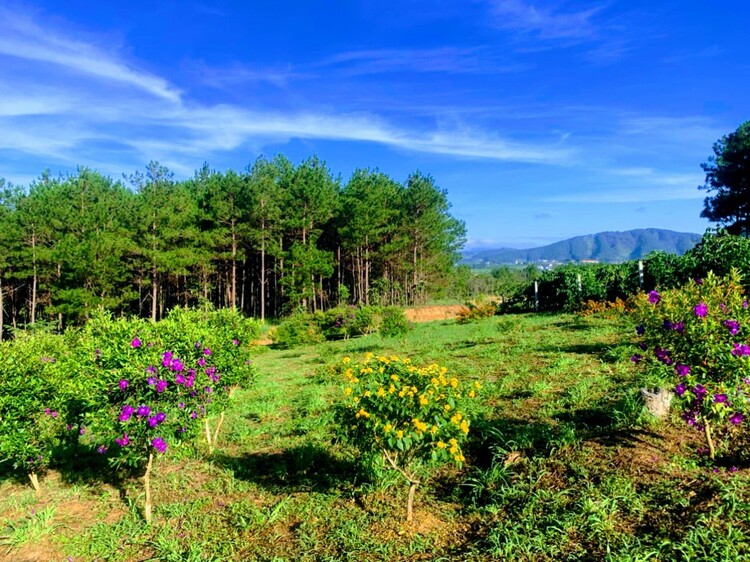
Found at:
[32, 401]
[728, 179]
[393, 323]
[298, 329]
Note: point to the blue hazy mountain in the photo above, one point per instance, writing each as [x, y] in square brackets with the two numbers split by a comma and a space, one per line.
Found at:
[609, 247]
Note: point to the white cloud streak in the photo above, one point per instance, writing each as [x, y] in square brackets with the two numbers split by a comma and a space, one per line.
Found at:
[22, 38]
[544, 23]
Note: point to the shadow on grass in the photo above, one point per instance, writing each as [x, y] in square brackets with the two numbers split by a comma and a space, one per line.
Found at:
[306, 467]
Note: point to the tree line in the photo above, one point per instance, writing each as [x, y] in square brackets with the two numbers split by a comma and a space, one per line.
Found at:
[272, 239]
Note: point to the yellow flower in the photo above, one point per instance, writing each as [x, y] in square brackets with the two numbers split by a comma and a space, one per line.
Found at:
[381, 392]
[459, 458]
[464, 426]
[423, 401]
[477, 385]
[433, 429]
[387, 427]
[454, 382]
[347, 391]
[394, 358]
[391, 389]
[453, 450]
[472, 394]
[394, 378]
[367, 394]
[440, 445]
[346, 360]
[447, 407]
[399, 434]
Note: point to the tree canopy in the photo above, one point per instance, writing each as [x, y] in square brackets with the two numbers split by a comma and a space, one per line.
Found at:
[728, 179]
[272, 239]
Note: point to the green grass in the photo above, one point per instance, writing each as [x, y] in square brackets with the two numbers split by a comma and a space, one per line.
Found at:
[562, 465]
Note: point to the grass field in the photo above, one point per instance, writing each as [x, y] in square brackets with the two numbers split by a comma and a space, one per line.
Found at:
[561, 465]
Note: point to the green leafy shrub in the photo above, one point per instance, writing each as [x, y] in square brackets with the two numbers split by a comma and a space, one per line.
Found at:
[393, 323]
[32, 405]
[404, 413]
[298, 329]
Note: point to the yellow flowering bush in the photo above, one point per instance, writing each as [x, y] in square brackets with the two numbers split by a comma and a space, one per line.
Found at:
[404, 411]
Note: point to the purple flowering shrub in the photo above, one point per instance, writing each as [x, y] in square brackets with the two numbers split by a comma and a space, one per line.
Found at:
[155, 404]
[698, 338]
[31, 406]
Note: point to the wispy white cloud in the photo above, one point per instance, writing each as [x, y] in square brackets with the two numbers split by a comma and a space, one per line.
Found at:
[110, 107]
[447, 60]
[545, 23]
[22, 38]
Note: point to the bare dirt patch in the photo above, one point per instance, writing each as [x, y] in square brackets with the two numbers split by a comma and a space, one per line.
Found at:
[432, 313]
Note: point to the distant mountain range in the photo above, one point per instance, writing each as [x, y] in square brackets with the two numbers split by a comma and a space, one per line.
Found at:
[610, 247]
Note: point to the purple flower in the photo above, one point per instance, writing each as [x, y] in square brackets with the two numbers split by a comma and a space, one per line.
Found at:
[198, 345]
[166, 359]
[159, 444]
[654, 297]
[101, 449]
[723, 307]
[152, 421]
[127, 411]
[701, 310]
[206, 352]
[698, 281]
[69, 427]
[123, 441]
[682, 370]
[123, 384]
[720, 398]
[179, 378]
[740, 349]
[736, 418]
[640, 329]
[236, 342]
[208, 390]
[678, 327]
[82, 431]
[643, 346]
[193, 415]
[160, 417]
[143, 411]
[636, 358]
[744, 303]
[135, 343]
[663, 356]
[733, 326]
[151, 370]
[667, 324]
[733, 469]
[161, 386]
[151, 381]
[181, 405]
[680, 389]
[699, 391]
[202, 362]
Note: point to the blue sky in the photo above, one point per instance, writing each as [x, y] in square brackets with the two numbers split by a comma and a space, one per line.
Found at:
[543, 120]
